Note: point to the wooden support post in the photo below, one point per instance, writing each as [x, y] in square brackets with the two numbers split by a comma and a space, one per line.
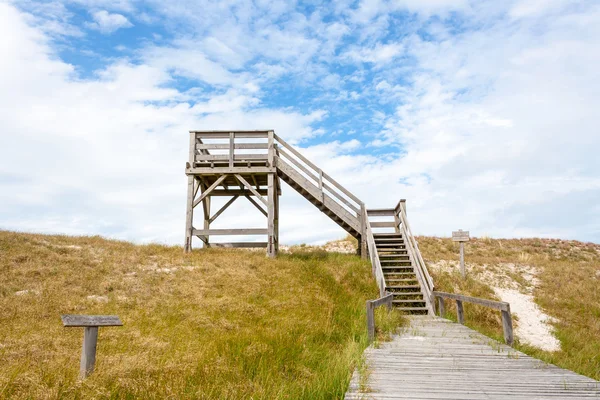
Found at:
[370, 321]
[364, 220]
[460, 312]
[276, 222]
[462, 260]
[189, 215]
[441, 308]
[88, 351]
[271, 250]
[90, 323]
[507, 326]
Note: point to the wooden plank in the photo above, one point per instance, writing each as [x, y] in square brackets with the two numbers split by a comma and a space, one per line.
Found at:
[225, 134]
[225, 157]
[271, 252]
[250, 188]
[381, 212]
[235, 192]
[237, 146]
[262, 210]
[75, 320]
[225, 206]
[227, 170]
[209, 189]
[370, 321]
[243, 231]
[383, 224]
[498, 305]
[246, 245]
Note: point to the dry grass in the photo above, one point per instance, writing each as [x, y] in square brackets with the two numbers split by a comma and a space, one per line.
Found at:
[220, 324]
[568, 289]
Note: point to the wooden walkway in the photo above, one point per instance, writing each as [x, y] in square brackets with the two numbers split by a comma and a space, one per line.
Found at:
[439, 359]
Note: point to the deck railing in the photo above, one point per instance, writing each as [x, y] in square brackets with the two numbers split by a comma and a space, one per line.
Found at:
[502, 306]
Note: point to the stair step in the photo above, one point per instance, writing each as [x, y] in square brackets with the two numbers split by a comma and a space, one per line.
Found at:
[407, 301]
[412, 309]
[398, 238]
[410, 287]
[407, 294]
[387, 235]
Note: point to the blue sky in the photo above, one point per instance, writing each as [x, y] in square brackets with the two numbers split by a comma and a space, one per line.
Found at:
[482, 114]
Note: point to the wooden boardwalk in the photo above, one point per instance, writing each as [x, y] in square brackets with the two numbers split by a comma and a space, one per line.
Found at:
[439, 359]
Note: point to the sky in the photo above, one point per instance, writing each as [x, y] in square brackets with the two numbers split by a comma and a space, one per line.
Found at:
[483, 115]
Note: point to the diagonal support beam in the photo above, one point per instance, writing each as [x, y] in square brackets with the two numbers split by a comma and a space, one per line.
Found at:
[210, 189]
[223, 209]
[250, 188]
[257, 205]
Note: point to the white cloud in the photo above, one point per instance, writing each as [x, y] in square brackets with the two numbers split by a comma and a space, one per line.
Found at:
[379, 54]
[106, 22]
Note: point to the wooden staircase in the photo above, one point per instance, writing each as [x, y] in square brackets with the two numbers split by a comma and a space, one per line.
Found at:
[399, 273]
[250, 164]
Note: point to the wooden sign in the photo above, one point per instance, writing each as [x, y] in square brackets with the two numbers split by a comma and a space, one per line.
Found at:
[460, 236]
[90, 323]
[72, 320]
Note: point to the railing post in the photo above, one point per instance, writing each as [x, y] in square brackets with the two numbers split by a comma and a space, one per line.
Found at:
[507, 326]
[231, 148]
[370, 321]
[460, 312]
[270, 145]
[363, 234]
[441, 308]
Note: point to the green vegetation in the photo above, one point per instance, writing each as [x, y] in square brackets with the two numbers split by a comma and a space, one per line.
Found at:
[217, 323]
[568, 289]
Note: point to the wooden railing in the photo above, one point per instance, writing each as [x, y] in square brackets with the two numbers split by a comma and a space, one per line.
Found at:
[325, 183]
[371, 306]
[504, 308]
[414, 254]
[374, 256]
[228, 149]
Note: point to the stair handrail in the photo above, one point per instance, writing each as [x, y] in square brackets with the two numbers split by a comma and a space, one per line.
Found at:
[322, 179]
[374, 257]
[413, 251]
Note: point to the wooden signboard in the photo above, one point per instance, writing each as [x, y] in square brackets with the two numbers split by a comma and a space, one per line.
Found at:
[460, 236]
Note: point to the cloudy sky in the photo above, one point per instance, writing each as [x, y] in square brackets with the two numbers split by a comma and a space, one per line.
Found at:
[484, 115]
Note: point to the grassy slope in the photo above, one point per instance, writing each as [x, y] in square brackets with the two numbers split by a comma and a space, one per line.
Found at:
[569, 290]
[214, 324]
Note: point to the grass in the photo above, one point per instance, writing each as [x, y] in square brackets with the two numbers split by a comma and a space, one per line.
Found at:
[214, 324]
[568, 290]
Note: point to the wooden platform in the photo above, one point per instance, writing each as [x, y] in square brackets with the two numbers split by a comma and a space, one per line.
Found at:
[438, 359]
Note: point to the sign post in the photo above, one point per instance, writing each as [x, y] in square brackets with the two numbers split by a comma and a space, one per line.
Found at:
[90, 324]
[461, 237]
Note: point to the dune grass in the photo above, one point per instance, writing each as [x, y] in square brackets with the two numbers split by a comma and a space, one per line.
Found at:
[214, 324]
[568, 290]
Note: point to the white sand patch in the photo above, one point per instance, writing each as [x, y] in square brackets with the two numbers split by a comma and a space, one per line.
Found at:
[99, 299]
[532, 327]
[27, 291]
